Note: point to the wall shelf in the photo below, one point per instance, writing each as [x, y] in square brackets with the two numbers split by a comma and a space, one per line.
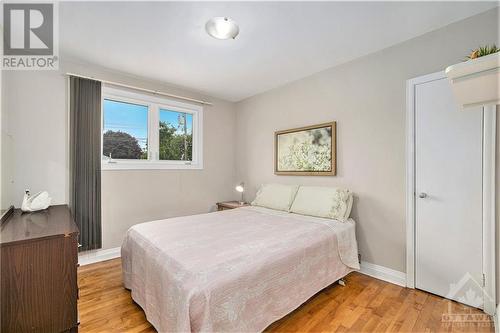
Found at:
[476, 82]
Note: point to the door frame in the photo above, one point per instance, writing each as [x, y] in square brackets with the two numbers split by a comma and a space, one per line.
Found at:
[488, 176]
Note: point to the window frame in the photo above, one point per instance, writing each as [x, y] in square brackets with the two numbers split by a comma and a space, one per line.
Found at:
[155, 103]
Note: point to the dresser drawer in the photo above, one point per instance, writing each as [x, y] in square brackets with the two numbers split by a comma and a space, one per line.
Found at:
[39, 274]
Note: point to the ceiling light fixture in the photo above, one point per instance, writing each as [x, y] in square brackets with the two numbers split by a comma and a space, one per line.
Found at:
[222, 28]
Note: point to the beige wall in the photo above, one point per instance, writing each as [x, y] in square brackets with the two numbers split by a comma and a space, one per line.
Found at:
[35, 120]
[34, 135]
[367, 99]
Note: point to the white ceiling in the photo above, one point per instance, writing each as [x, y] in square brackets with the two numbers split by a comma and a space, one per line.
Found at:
[279, 42]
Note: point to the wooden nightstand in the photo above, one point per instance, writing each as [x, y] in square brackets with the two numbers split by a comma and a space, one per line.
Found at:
[230, 205]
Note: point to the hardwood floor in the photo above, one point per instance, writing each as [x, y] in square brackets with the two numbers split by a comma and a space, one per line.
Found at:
[365, 304]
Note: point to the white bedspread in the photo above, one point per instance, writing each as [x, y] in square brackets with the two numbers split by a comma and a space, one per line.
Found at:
[233, 271]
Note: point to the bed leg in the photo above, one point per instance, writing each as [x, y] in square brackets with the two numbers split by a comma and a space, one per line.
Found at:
[342, 282]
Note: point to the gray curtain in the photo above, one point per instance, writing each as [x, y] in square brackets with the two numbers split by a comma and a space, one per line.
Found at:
[85, 160]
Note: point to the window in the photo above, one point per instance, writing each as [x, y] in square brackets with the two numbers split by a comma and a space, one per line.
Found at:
[176, 135]
[125, 130]
[141, 131]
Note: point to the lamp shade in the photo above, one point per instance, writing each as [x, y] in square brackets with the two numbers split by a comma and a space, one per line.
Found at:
[240, 188]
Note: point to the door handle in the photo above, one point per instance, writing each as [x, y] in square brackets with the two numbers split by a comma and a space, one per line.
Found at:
[422, 195]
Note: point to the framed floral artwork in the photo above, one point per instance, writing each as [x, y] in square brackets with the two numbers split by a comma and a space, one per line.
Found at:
[306, 151]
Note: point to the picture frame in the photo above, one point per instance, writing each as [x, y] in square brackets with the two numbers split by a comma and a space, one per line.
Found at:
[306, 151]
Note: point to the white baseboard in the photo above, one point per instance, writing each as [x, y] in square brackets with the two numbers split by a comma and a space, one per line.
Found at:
[93, 256]
[383, 273]
[376, 271]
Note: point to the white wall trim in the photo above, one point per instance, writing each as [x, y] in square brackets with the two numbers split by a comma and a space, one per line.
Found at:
[383, 273]
[489, 233]
[93, 256]
[489, 167]
[410, 172]
[376, 271]
[495, 320]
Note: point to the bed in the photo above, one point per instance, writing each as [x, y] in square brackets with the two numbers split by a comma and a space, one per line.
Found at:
[233, 271]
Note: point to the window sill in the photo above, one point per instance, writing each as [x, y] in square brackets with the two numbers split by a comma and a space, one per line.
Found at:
[119, 165]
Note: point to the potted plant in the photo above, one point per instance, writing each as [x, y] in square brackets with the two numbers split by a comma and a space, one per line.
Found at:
[483, 51]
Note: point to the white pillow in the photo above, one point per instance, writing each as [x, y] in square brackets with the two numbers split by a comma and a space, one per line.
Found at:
[275, 196]
[329, 202]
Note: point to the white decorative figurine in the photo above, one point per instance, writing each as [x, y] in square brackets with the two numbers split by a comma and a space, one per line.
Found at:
[36, 202]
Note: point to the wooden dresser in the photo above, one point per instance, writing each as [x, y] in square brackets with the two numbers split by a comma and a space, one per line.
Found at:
[38, 267]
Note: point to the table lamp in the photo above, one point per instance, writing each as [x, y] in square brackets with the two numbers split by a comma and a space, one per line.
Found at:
[241, 188]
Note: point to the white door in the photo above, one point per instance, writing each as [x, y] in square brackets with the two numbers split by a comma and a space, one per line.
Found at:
[448, 198]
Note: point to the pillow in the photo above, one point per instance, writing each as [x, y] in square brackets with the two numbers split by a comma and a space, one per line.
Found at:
[275, 196]
[329, 202]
